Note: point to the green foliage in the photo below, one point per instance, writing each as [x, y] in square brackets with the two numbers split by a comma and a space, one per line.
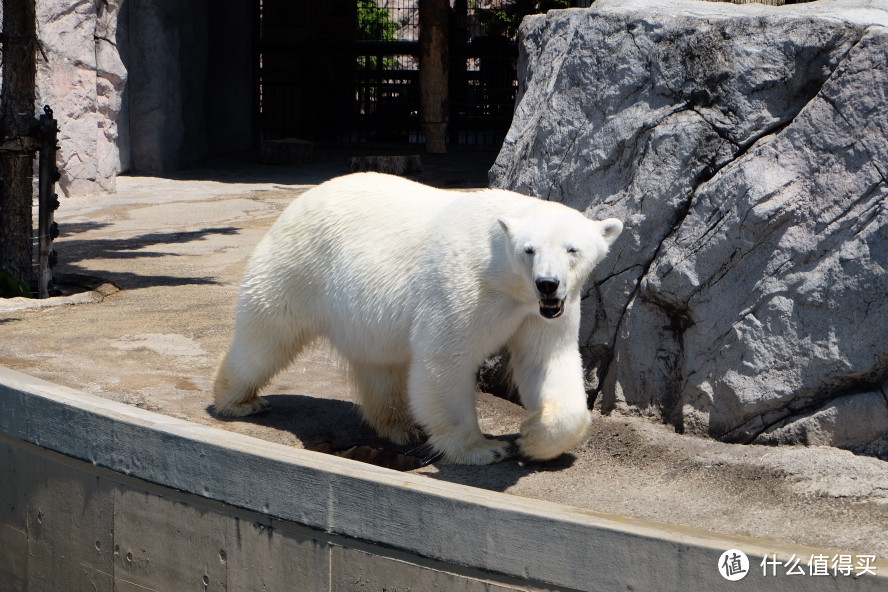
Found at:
[374, 22]
[507, 17]
[11, 287]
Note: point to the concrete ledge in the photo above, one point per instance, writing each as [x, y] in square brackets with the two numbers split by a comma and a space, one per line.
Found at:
[512, 539]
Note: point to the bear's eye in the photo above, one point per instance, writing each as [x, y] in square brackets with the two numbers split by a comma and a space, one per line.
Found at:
[573, 250]
[529, 249]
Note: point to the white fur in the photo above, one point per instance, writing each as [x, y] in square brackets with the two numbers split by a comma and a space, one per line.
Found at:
[416, 287]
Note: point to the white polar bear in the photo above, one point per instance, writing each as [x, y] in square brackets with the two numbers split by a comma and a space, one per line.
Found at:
[416, 287]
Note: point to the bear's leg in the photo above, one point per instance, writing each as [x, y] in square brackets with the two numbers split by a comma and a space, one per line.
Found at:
[383, 395]
[259, 351]
[547, 369]
[443, 403]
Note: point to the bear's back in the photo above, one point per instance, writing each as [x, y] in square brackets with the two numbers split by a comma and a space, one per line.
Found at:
[377, 197]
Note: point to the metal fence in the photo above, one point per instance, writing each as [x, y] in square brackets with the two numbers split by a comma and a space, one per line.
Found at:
[327, 78]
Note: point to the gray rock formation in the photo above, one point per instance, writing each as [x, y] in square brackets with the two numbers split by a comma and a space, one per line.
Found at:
[166, 55]
[135, 85]
[80, 75]
[746, 149]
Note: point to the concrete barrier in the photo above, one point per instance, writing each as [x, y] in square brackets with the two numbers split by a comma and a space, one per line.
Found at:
[97, 495]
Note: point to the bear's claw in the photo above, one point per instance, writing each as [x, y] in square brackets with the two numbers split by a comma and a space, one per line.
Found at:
[484, 451]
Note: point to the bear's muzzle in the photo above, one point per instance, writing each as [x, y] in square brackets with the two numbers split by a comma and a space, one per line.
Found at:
[551, 308]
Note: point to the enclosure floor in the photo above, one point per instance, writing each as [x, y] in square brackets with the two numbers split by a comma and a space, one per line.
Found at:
[176, 248]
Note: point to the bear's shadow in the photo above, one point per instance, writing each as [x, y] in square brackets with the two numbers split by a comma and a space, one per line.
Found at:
[336, 427]
[313, 420]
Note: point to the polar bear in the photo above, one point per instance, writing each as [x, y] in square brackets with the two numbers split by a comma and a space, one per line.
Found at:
[415, 287]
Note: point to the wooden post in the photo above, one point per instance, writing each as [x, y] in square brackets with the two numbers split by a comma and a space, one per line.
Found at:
[434, 60]
[17, 155]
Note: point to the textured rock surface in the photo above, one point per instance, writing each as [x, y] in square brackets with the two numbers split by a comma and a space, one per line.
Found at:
[746, 148]
[113, 141]
[81, 77]
[166, 55]
[127, 82]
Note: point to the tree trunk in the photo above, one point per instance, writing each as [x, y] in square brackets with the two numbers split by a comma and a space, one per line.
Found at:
[434, 59]
[17, 152]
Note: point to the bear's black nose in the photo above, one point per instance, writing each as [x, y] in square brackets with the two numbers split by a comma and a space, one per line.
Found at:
[547, 286]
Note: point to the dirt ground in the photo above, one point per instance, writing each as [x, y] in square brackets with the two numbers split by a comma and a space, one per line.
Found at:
[161, 261]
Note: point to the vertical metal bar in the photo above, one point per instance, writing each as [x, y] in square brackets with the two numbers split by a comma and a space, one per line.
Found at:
[48, 201]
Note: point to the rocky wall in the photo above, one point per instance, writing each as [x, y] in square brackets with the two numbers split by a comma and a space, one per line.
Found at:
[745, 147]
[166, 54]
[129, 82]
[81, 76]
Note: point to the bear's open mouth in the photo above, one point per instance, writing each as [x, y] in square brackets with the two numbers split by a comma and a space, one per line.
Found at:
[551, 308]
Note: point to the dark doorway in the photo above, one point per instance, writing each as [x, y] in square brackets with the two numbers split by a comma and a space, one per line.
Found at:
[305, 70]
[346, 72]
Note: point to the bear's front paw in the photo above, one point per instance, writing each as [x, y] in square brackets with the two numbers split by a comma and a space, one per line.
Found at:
[254, 405]
[545, 436]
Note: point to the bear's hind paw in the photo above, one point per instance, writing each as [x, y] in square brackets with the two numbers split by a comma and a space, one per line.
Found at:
[483, 452]
[254, 405]
[402, 434]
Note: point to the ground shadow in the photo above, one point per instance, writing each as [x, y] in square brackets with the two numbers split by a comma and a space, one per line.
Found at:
[73, 251]
[244, 170]
[335, 427]
[313, 420]
[459, 168]
[502, 475]
[71, 228]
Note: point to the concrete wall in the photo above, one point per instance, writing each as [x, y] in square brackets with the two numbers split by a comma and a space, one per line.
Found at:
[96, 495]
[68, 526]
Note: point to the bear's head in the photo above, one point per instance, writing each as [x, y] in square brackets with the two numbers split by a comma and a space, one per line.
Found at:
[554, 249]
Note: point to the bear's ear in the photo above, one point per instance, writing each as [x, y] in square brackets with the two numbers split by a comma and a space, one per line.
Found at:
[611, 229]
[507, 223]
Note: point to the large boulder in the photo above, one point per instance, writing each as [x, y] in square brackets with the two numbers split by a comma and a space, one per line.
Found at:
[746, 149]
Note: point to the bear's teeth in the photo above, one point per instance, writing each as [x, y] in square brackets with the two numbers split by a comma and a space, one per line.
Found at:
[551, 308]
